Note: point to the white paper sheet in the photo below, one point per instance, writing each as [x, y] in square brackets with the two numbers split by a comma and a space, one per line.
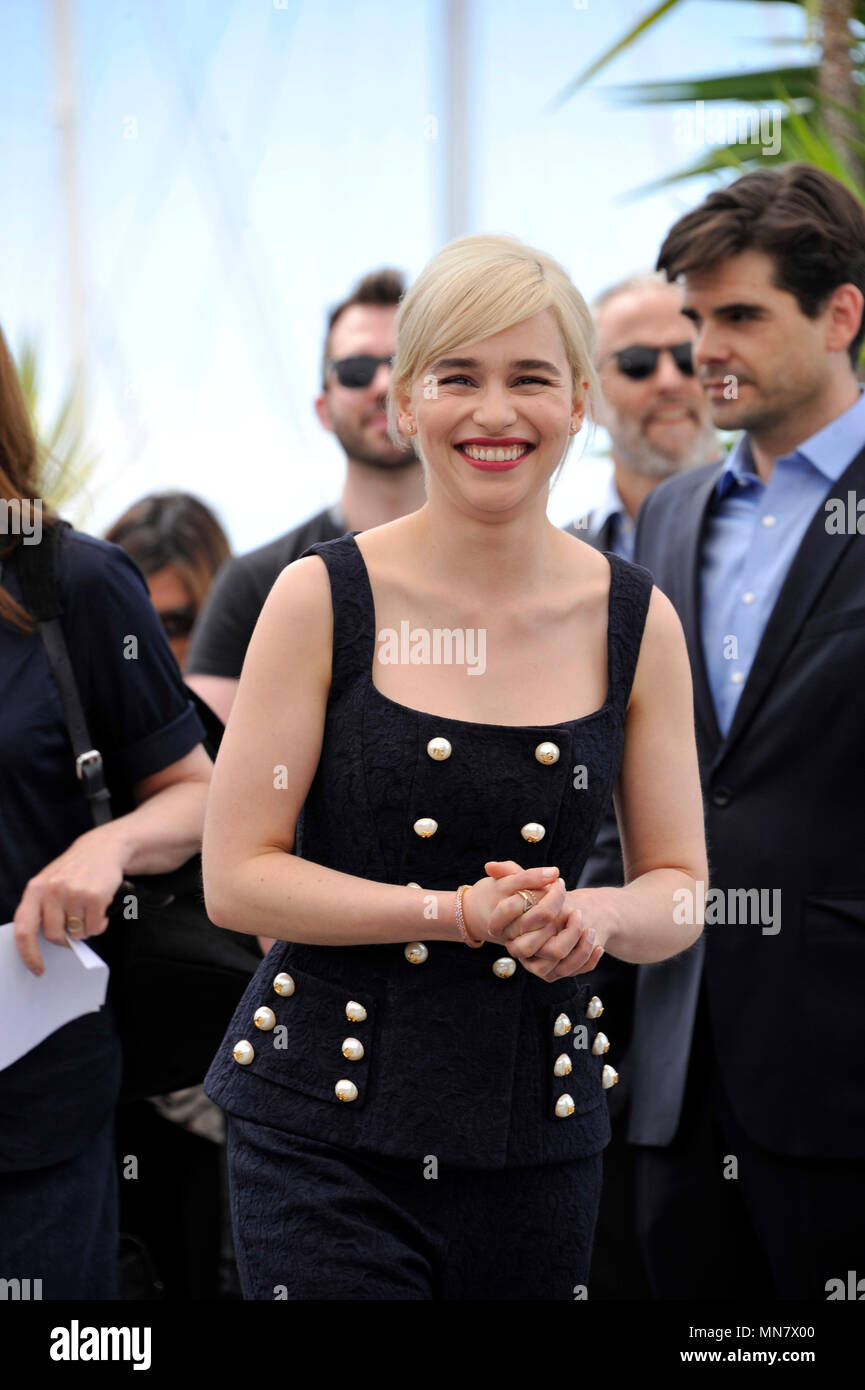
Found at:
[31, 1007]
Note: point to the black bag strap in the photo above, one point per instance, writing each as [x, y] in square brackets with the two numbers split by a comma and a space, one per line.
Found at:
[37, 569]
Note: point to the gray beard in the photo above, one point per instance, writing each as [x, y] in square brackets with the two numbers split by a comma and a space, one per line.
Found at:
[647, 462]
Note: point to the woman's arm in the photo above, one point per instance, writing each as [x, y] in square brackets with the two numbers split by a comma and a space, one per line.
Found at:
[660, 813]
[159, 835]
[253, 881]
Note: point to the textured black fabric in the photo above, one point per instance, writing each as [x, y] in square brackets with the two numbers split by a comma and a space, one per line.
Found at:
[316, 1222]
[458, 1062]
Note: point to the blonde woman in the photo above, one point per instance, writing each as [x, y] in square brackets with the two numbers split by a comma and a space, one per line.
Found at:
[431, 719]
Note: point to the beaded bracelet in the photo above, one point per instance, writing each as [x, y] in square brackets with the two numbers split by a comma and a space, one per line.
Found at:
[461, 921]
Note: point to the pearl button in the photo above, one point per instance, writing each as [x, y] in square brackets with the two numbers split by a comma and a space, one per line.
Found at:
[562, 1025]
[766, 521]
[748, 597]
[352, 1048]
[345, 1090]
[533, 832]
[594, 1008]
[265, 1019]
[425, 827]
[737, 677]
[284, 984]
[609, 1076]
[412, 885]
[439, 748]
[564, 1106]
[354, 1012]
[504, 967]
[600, 1045]
[243, 1053]
[562, 1065]
[547, 753]
[416, 953]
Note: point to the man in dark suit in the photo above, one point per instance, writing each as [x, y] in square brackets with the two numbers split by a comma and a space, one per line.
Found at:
[659, 423]
[749, 1049]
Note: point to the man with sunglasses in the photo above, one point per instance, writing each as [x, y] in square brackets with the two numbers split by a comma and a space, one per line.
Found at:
[653, 408]
[658, 419]
[383, 481]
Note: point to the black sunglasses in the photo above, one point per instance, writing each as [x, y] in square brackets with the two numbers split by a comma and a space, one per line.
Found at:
[177, 622]
[639, 362]
[358, 371]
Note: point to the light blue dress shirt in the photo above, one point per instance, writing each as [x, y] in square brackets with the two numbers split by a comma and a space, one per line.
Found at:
[622, 529]
[753, 530]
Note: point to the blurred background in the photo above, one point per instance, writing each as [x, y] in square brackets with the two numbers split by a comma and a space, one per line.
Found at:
[188, 186]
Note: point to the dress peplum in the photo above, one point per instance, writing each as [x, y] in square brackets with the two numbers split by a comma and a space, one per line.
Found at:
[432, 1048]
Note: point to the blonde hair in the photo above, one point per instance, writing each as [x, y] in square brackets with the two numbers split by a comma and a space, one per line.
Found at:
[478, 286]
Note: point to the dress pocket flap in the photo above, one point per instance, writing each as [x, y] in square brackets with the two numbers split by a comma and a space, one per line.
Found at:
[311, 1037]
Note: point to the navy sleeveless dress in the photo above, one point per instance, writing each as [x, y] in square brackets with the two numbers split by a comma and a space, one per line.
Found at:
[405, 1088]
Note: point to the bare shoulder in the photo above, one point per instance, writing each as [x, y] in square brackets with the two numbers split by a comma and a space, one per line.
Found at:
[663, 663]
[385, 545]
[586, 567]
[296, 622]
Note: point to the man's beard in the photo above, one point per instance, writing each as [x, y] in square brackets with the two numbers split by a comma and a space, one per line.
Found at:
[388, 456]
[631, 446]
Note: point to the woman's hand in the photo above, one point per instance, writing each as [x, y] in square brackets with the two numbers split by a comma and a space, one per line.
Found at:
[71, 894]
[576, 941]
[493, 903]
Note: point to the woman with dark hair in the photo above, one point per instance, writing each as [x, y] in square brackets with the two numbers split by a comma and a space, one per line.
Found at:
[59, 873]
[179, 545]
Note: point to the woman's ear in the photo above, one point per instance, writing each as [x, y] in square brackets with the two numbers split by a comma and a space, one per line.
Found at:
[404, 414]
[580, 403]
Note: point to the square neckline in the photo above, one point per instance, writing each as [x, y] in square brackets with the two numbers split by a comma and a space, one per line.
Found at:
[369, 666]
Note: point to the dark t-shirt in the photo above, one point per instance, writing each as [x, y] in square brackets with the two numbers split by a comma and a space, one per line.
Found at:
[141, 720]
[239, 591]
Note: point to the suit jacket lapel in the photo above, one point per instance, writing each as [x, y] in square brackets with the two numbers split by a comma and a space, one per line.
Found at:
[818, 555]
[689, 608]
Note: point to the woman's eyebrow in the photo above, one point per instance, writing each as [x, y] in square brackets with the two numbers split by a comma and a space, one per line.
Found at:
[523, 364]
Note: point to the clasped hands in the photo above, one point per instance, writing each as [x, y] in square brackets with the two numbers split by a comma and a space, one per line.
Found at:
[552, 939]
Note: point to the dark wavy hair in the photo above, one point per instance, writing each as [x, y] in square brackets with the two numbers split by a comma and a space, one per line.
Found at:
[806, 220]
[173, 528]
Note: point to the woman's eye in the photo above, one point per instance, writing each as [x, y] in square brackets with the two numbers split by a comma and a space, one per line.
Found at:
[535, 380]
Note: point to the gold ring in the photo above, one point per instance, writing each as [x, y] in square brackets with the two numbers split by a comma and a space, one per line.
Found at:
[528, 898]
[74, 931]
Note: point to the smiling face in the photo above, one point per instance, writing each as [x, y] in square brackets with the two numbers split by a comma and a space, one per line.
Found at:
[660, 424]
[356, 415]
[499, 419]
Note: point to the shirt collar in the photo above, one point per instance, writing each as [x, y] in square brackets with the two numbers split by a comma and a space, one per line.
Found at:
[830, 451]
[610, 505]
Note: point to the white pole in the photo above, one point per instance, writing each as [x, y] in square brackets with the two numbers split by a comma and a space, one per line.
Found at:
[458, 133]
[66, 113]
